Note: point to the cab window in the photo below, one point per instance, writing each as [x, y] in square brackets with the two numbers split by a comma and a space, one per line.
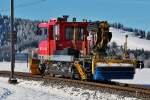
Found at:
[43, 32]
[69, 33]
[80, 33]
[51, 33]
[56, 32]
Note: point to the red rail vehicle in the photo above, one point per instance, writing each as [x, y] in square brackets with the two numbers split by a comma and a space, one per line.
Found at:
[78, 50]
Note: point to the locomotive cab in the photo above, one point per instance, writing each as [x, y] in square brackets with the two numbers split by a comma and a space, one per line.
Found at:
[60, 43]
[63, 38]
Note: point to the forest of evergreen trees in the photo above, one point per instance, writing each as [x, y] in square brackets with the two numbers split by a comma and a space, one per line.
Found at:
[26, 36]
[24, 28]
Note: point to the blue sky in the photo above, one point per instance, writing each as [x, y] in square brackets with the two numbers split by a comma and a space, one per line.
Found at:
[132, 13]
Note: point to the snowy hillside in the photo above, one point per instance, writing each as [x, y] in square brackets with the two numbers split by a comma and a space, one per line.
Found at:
[118, 36]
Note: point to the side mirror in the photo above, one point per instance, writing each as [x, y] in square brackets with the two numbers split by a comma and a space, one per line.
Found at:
[38, 31]
[89, 37]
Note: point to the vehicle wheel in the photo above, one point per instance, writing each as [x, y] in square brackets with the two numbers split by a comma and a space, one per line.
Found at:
[42, 68]
[74, 74]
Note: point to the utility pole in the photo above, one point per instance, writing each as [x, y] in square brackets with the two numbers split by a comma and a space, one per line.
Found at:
[126, 47]
[12, 33]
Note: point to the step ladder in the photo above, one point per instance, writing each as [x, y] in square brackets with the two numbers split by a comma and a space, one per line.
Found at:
[81, 71]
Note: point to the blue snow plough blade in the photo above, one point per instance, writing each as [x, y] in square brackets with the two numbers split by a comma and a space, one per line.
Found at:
[108, 73]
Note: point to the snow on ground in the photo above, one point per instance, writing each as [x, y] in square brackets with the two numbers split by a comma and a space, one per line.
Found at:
[35, 90]
[20, 66]
[133, 42]
[25, 90]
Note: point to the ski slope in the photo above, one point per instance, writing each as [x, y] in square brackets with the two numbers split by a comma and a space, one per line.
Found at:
[118, 36]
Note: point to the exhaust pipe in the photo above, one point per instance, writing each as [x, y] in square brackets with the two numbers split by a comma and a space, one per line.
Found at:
[65, 17]
[74, 19]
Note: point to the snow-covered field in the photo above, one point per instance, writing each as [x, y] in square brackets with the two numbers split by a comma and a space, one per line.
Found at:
[133, 42]
[35, 90]
[25, 90]
[20, 67]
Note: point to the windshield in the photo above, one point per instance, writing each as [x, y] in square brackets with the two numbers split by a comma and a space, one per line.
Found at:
[78, 31]
[43, 32]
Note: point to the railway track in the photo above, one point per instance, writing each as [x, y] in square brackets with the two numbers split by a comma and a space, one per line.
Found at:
[121, 89]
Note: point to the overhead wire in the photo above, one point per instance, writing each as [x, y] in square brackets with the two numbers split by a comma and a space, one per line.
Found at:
[25, 5]
[29, 4]
[3, 7]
